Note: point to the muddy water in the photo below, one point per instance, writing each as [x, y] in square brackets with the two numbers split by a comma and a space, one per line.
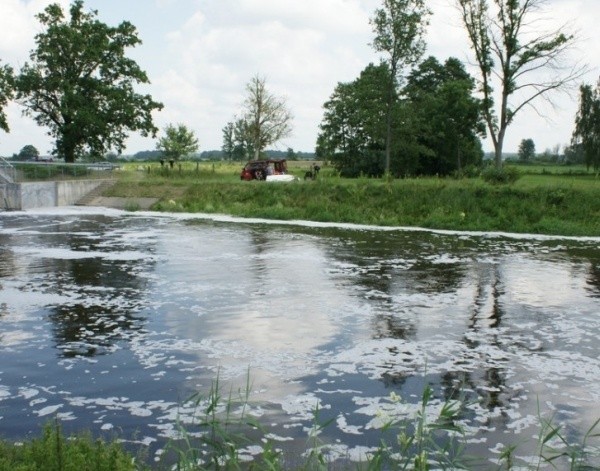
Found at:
[110, 320]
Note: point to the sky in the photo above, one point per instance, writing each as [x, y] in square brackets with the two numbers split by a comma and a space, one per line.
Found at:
[200, 54]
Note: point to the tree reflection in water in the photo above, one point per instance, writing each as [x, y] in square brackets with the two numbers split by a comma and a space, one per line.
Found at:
[105, 294]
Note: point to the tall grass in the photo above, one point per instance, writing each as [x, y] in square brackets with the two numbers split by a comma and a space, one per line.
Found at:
[554, 451]
[55, 452]
[421, 442]
[425, 436]
[220, 429]
[224, 435]
[425, 440]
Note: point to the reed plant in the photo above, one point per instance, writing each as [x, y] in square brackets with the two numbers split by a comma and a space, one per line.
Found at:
[425, 440]
[422, 441]
[222, 431]
[423, 437]
[553, 450]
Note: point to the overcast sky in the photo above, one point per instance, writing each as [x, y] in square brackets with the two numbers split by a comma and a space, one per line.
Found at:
[199, 54]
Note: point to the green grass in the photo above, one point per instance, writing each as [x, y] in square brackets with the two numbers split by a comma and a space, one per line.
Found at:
[536, 203]
[53, 451]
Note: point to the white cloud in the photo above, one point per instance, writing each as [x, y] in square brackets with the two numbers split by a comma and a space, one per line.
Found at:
[302, 48]
[18, 27]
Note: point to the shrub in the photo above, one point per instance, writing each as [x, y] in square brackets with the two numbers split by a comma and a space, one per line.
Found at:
[54, 451]
[500, 176]
[470, 171]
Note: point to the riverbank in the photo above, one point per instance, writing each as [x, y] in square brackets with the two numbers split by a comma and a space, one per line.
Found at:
[539, 204]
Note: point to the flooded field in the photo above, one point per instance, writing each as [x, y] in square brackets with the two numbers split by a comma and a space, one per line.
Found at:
[110, 320]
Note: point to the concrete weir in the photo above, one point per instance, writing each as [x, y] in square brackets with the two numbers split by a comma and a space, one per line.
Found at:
[29, 195]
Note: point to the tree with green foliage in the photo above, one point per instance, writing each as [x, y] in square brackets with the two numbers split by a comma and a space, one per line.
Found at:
[440, 97]
[586, 135]
[518, 61]
[237, 140]
[228, 146]
[266, 116]
[399, 27]
[574, 154]
[80, 84]
[526, 150]
[352, 132]
[178, 141]
[28, 152]
[436, 122]
[243, 142]
[6, 93]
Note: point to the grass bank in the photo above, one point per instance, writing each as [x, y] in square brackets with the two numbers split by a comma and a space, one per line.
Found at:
[539, 203]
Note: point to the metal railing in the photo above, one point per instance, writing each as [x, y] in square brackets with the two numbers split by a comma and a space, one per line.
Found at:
[23, 171]
[8, 173]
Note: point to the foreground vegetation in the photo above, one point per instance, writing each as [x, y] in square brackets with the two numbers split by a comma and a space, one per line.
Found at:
[54, 452]
[544, 200]
[223, 430]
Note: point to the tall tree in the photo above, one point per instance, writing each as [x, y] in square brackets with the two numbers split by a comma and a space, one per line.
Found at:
[6, 93]
[586, 135]
[574, 154]
[241, 138]
[178, 141]
[515, 56]
[526, 150]
[440, 97]
[435, 124]
[29, 152]
[352, 132]
[267, 116]
[228, 146]
[399, 27]
[80, 84]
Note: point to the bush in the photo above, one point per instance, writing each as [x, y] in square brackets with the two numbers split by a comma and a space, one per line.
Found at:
[500, 176]
[470, 171]
[54, 451]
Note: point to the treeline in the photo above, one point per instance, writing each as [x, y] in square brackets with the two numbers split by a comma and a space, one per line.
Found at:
[220, 155]
[434, 119]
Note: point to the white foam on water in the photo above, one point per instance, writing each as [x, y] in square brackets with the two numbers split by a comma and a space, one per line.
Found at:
[80, 210]
[342, 424]
[28, 393]
[48, 410]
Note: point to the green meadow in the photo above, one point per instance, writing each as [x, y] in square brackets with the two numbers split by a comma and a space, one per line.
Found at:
[557, 200]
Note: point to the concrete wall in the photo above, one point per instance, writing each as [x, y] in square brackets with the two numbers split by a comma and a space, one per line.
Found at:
[20, 196]
[10, 196]
[70, 192]
[38, 195]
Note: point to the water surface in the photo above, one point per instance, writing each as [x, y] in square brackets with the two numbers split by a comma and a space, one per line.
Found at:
[110, 320]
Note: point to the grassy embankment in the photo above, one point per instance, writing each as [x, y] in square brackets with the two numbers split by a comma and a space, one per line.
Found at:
[545, 199]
